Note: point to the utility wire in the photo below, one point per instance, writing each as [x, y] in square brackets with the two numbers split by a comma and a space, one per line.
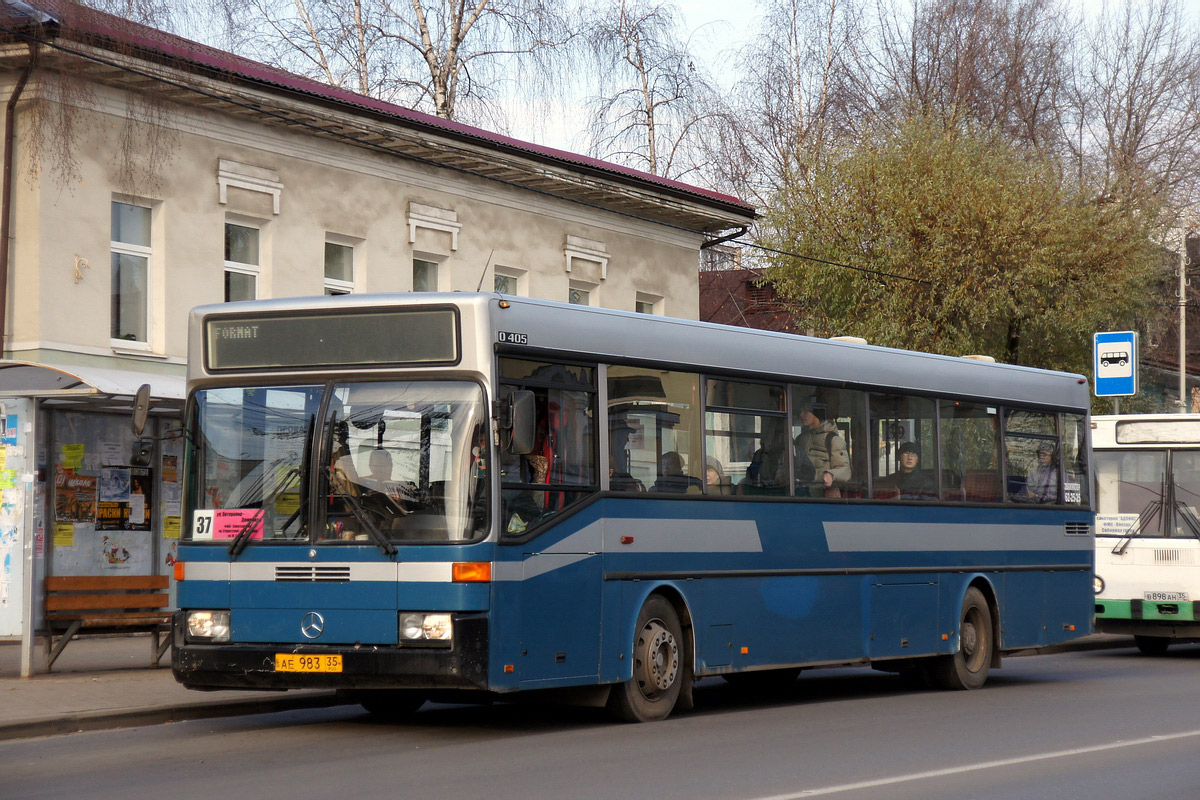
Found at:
[836, 264]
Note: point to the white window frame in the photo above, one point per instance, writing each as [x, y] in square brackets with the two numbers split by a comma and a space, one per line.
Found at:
[581, 286]
[654, 301]
[339, 286]
[146, 252]
[254, 270]
[516, 275]
[428, 258]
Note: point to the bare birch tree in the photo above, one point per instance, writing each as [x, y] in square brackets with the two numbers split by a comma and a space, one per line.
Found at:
[451, 58]
[1134, 116]
[652, 105]
[1000, 63]
[792, 99]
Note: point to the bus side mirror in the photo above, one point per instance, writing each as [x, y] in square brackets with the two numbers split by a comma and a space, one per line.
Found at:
[518, 422]
[141, 409]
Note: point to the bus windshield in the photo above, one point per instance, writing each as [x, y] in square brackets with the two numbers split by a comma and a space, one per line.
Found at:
[1157, 491]
[397, 461]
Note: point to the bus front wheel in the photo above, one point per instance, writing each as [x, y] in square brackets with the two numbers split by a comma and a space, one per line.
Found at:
[660, 666]
[391, 704]
[968, 668]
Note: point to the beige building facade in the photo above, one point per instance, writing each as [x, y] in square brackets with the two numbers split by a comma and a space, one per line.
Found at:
[190, 176]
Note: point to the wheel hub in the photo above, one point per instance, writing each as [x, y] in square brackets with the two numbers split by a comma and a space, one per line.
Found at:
[970, 637]
[660, 662]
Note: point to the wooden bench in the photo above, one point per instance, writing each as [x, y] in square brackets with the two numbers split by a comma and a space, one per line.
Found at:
[105, 604]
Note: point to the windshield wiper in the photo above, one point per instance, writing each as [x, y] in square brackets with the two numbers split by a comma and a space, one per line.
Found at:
[243, 536]
[362, 516]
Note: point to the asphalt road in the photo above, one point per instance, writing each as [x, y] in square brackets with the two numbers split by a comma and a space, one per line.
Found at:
[1094, 725]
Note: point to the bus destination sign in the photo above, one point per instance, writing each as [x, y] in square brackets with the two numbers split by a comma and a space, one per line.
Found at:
[300, 340]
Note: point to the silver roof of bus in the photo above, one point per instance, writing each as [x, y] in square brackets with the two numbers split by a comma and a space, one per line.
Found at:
[609, 335]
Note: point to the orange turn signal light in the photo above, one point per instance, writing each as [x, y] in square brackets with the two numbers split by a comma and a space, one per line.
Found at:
[471, 571]
[179, 570]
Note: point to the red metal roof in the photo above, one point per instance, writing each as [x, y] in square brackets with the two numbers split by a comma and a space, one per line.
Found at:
[74, 21]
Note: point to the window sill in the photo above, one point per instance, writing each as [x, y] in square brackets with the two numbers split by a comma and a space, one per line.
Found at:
[136, 349]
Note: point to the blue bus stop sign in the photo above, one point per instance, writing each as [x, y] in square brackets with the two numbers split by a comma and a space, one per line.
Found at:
[1114, 358]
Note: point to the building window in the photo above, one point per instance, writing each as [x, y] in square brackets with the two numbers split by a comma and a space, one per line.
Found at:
[131, 252]
[241, 262]
[425, 275]
[579, 294]
[647, 303]
[339, 268]
[505, 284]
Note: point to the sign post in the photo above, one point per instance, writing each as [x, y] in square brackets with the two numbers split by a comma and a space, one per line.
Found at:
[1114, 359]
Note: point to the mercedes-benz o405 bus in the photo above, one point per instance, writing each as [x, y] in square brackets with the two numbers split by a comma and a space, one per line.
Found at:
[420, 496]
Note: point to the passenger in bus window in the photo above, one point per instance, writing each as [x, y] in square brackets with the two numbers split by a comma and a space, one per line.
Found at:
[716, 481]
[671, 475]
[1041, 486]
[619, 480]
[910, 480]
[820, 444]
[379, 469]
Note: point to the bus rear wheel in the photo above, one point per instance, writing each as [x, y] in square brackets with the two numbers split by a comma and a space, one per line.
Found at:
[1152, 645]
[968, 668]
[660, 666]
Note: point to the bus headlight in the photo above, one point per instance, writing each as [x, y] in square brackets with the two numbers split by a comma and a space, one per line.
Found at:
[426, 628]
[208, 626]
[1097, 584]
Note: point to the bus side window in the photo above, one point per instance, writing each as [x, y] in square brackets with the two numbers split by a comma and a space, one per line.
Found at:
[969, 451]
[653, 413]
[561, 469]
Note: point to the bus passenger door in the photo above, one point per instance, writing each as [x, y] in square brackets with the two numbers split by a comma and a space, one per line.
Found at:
[560, 611]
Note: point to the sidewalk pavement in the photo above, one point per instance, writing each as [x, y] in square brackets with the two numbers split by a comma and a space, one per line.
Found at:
[103, 683]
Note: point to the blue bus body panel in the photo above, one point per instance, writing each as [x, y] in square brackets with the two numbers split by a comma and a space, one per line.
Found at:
[781, 583]
[761, 584]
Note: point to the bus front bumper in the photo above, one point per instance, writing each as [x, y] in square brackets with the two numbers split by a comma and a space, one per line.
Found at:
[253, 666]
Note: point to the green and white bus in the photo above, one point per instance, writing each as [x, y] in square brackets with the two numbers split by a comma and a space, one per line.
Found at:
[1148, 528]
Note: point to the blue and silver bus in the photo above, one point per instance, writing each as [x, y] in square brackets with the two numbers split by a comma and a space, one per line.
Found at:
[465, 496]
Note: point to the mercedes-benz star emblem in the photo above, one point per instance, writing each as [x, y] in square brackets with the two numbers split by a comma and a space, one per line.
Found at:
[312, 625]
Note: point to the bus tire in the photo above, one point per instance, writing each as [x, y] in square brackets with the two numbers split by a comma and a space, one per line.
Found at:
[968, 667]
[392, 704]
[660, 666]
[1152, 645]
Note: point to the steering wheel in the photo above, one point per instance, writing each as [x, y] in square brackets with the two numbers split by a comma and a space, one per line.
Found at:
[382, 505]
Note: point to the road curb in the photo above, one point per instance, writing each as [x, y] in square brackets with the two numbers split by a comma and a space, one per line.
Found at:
[157, 715]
